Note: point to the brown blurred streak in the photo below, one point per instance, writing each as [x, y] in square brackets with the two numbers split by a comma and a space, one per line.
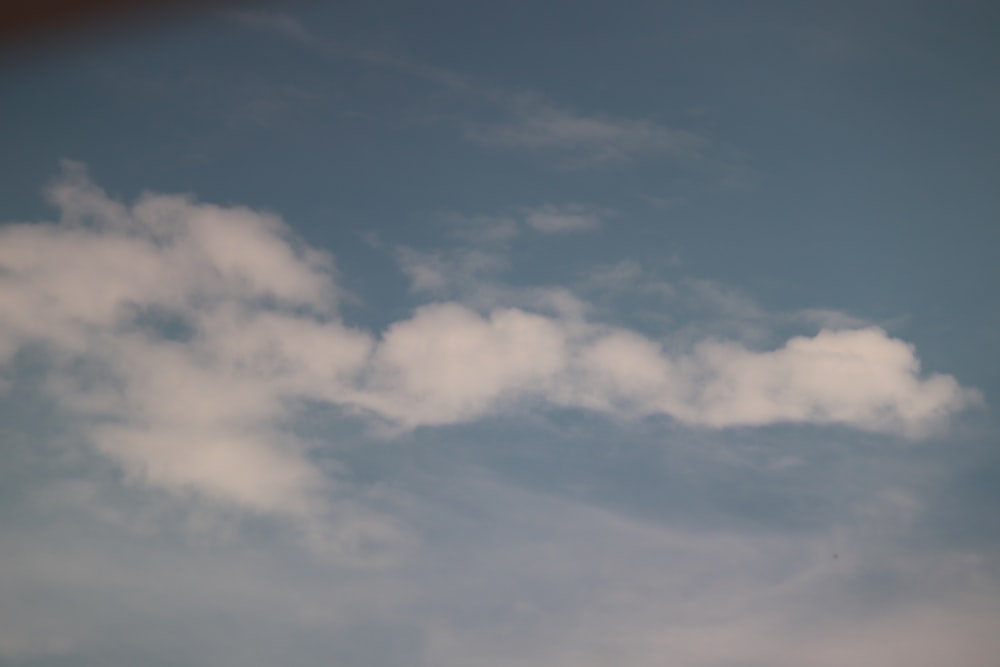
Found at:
[30, 23]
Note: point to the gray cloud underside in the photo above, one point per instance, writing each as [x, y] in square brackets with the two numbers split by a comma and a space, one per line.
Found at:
[184, 334]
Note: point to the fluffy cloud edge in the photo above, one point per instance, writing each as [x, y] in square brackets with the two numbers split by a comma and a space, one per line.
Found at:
[203, 325]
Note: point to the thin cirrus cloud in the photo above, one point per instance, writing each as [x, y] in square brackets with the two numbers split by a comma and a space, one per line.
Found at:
[549, 219]
[282, 24]
[573, 583]
[183, 335]
[529, 121]
[536, 124]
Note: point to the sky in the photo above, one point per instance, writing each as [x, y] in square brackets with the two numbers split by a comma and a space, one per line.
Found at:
[543, 334]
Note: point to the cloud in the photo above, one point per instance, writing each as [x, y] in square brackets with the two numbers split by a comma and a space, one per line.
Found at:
[283, 24]
[696, 309]
[862, 378]
[478, 253]
[829, 318]
[448, 364]
[482, 230]
[451, 364]
[442, 272]
[532, 122]
[180, 334]
[549, 219]
[482, 247]
[626, 276]
[527, 120]
[538, 125]
[184, 335]
[513, 577]
[577, 585]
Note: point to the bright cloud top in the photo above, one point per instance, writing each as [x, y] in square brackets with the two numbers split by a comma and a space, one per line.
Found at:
[185, 335]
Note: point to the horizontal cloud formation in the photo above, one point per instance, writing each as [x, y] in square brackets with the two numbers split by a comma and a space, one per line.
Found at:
[185, 335]
[549, 219]
[538, 125]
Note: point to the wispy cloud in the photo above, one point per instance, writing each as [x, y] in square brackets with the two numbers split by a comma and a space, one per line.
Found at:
[280, 23]
[528, 120]
[694, 309]
[482, 230]
[481, 248]
[643, 591]
[444, 272]
[626, 276]
[583, 140]
[536, 579]
[550, 219]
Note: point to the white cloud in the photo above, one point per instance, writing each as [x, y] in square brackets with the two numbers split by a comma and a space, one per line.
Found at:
[449, 364]
[861, 378]
[184, 334]
[179, 333]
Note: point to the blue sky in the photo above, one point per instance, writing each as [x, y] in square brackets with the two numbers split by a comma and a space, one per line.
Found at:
[536, 334]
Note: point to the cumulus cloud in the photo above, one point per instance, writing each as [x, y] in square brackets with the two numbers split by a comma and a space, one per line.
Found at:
[860, 378]
[856, 377]
[184, 334]
[448, 364]
[179, 333]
